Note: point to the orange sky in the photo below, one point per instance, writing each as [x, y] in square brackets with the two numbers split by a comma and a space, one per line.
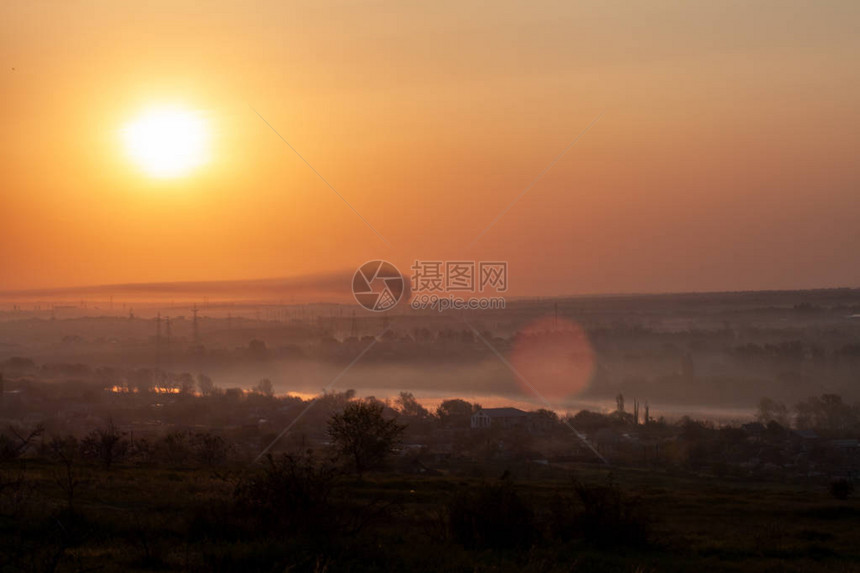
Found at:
[726, 157]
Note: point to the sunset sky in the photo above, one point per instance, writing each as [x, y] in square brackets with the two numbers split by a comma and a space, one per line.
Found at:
[725, 158]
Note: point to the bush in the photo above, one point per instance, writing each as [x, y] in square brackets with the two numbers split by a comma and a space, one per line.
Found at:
[841, 488]
[106, 445]
[14, 442]
[610, 518]
[209, 449]
[491, 517]
[291, 493]
[602, 515]
[174, 448]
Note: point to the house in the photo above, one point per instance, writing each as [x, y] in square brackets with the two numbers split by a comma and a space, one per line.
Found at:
[805, 435]
[499, 418]
[805, 439]
[846, 446]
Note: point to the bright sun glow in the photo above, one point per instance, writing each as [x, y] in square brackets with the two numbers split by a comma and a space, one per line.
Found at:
[168, 142]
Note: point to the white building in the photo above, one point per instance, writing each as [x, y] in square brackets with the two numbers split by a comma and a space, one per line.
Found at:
[499, 418]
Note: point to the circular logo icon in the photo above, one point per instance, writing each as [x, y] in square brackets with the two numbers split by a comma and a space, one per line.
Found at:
[378, 285]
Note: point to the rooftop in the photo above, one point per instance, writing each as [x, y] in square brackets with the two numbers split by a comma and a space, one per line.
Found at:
[503, 412]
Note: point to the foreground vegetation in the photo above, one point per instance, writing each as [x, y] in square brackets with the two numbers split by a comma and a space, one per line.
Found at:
[306, 514]
[357, 499]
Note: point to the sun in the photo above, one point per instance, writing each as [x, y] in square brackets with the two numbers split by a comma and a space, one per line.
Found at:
[168, 142]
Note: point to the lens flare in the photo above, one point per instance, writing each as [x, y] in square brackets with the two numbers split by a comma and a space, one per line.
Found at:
[555, 357]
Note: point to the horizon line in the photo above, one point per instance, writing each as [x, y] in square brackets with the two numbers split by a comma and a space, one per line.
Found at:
[327, 279]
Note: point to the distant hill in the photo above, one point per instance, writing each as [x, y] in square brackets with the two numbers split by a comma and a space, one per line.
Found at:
[330, 287]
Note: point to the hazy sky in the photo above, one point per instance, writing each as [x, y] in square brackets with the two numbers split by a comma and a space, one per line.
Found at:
[725, 158]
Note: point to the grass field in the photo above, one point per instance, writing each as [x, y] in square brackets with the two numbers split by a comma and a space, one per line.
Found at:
[153, 519]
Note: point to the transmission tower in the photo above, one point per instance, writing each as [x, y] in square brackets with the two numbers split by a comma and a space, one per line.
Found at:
[195, 330]
[158, 341]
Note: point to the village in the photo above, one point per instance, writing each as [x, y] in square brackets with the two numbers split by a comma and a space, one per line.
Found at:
[815, 443]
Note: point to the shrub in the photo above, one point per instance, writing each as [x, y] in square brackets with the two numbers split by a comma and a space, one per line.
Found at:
[491, 517]
[291, 494]
[841, 488]
[610, 518]
[174, 448]
[14, 442]
[106, 445]
[209, 449]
